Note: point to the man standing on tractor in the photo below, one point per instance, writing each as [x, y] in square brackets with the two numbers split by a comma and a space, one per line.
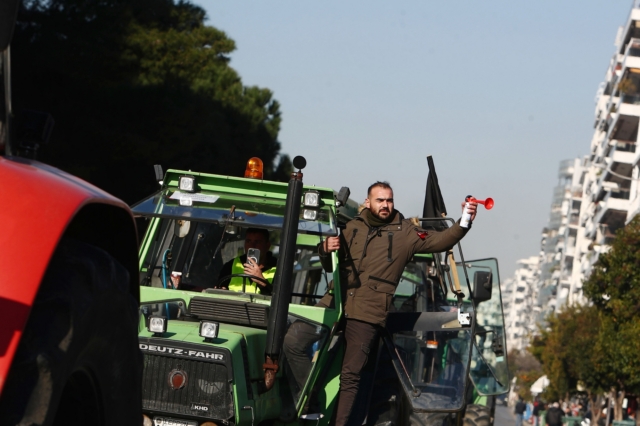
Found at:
[377, 245]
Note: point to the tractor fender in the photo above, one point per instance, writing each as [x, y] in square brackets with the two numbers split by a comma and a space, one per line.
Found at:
[40, 205]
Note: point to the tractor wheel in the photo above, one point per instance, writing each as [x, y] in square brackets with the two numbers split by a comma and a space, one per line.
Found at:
[78, 360]
[477, 415]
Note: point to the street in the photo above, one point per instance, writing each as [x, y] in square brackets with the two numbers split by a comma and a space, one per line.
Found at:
[504, 416]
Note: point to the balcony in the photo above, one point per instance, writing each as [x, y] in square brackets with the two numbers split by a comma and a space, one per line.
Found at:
[631, 57]
[623, 147]
[623, 151]
[574, 220]
[576, 191]
[607, 234]
[630, 99]
[566, 168]
[610, 204]
[624, 127]
[616, 178]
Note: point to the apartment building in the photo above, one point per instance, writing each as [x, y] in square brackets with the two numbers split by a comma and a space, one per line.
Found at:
[610, 175]
[596, 195]
[519, 295]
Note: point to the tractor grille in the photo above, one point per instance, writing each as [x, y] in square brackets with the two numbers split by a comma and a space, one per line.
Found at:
[230, 311]
[206, 394]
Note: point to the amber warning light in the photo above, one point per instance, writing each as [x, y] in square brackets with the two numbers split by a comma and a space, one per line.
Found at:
[254, 168]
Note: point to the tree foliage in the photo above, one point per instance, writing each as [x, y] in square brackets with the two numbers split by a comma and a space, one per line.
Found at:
[132, 83]
[614, 289]
[565, 349]
[597, 345]
[614, 283]
[526, 368]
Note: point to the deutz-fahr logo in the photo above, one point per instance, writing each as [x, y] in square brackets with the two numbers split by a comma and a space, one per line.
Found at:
[200, 407]
[181, 352]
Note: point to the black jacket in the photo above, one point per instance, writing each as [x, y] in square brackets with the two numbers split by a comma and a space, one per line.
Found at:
[554, 416]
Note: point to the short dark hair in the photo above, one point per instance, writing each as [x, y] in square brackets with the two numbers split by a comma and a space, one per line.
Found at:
[383, 184]
[260, 231]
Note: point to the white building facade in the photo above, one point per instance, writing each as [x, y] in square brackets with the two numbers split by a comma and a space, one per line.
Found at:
[596, 195]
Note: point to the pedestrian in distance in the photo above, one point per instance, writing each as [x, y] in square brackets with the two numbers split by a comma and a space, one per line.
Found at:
[537, 406]
[519, 410]
[554, 415]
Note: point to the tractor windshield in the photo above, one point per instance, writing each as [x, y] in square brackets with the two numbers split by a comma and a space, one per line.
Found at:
[208, 255]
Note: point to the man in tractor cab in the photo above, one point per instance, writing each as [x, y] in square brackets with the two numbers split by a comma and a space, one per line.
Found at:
[376, 246]
[264, 270]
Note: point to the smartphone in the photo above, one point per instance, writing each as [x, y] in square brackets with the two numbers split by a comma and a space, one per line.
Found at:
[254, 254]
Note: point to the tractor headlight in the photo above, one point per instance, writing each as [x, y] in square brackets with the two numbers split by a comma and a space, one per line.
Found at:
[309, 214]
[209, 329]
[312, 199]
[157, 324]
[187, 183]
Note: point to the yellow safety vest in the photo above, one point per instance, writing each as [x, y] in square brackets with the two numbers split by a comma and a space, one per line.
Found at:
[236, 282]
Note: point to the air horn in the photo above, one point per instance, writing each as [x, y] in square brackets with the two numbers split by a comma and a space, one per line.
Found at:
[488, 203]
[466, 216]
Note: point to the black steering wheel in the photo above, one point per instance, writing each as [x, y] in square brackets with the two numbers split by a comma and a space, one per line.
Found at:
[228, 278]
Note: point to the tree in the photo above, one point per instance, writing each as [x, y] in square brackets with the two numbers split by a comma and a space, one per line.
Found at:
[527, 369]
[614, 289]
[132, 83]
[565, 347]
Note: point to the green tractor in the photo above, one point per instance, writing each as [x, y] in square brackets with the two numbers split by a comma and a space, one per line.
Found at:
[214, 356]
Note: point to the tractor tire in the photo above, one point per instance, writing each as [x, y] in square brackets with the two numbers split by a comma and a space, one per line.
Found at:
[78, 361]
[477, 415]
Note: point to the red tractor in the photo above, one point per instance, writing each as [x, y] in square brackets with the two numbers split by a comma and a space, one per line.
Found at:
[69, 288]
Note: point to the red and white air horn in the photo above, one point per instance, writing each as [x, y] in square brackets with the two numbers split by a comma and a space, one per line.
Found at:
[488, 203]
[466, 217]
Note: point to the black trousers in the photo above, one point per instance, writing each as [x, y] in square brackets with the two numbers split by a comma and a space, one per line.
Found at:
[299, 338]
[360, 340]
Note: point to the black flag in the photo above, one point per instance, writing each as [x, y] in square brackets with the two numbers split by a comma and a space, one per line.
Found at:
[433, 202]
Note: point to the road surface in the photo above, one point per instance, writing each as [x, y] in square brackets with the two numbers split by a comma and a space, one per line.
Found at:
[504, 416]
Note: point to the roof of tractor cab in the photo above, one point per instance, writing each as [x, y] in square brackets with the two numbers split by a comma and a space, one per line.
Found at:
[238, 201]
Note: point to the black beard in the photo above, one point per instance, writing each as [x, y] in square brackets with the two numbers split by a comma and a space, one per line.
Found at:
[380, 217]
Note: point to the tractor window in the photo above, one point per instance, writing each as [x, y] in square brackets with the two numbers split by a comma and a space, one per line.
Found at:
[199, 251]
[416, 291]
[436, 365]
[310, 281]
[431, 362]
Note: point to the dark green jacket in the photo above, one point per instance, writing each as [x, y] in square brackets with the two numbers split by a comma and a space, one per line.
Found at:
[372, 260]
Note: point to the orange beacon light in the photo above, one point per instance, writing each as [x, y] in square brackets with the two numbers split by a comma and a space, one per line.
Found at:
[254, 168]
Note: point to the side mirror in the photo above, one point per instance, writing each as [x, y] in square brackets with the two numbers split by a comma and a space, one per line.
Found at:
[482, 285]
[343, 196]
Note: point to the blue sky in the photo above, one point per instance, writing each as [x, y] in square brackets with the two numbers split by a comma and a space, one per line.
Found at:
[498, 92]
